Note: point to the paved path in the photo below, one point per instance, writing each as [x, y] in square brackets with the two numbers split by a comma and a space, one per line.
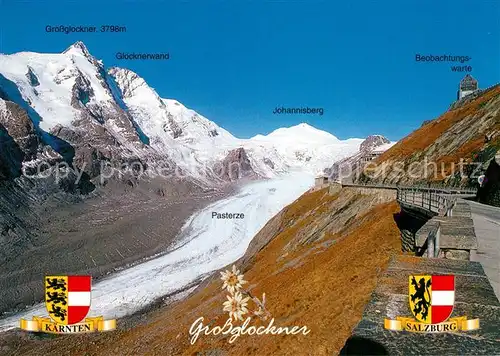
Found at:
[487, 225]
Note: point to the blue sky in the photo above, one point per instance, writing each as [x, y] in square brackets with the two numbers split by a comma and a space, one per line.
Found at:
[234, 62]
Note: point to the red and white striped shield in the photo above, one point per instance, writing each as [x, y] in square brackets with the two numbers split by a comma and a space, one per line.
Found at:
[432, 297]
[442, 298]
[67, 298]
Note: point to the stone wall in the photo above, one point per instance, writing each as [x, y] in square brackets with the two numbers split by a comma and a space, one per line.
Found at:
[319, 187]
[409, 223]
[334, 188]
[457, 238]
[474, 298]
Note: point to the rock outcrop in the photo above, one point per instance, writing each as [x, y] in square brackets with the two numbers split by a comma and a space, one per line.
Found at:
[21, 148]
[489, 192]
[235, 166]
[372, 142]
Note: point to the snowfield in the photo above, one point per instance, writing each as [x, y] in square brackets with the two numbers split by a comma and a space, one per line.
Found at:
[205, 245]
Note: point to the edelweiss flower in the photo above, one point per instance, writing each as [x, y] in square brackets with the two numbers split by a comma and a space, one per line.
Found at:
[233, 280]
[236, 306]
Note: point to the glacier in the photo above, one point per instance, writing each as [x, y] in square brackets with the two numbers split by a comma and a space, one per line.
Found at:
[114, 113]
[205, 245]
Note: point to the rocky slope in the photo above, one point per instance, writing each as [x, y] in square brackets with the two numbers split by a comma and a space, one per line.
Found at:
[349, 168]
[467, 135]
[21, 145]
[317, 261]
[53, 220]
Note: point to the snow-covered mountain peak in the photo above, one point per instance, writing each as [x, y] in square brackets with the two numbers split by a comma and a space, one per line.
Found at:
[78, 48]
[79, 52]
[56, 86]
[304, 125]
[173, 130]
[303, 147]
[133, 85]
[301, 133]
[195, 126]
[166, 120]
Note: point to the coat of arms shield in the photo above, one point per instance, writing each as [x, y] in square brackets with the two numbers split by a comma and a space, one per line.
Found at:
[67, 298]
[431, 297]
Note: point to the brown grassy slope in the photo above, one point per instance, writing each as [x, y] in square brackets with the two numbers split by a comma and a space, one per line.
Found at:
[455, 135]
[315, 271]
[423, 138]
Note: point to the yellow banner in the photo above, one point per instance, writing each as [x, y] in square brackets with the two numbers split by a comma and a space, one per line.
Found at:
[451, 325]
[47, 325]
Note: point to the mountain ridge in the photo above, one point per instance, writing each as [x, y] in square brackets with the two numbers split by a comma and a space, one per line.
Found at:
[114, 113]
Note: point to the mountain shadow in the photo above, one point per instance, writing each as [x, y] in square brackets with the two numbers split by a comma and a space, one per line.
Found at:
[9, 91]
[11, 156]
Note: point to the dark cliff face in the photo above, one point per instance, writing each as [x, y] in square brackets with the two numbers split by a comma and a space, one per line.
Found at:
[235, 166]
[489, 193]
[101, 131]
[24, 155]
[20, 128]
[10, 156]
[93, 133]
[18, 141]
[20, 145]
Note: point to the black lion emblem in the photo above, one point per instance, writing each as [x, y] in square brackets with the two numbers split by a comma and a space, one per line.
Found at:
[422, 304]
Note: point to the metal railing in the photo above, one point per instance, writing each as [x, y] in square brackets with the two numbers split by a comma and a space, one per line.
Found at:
[428, 199]
[433, 201]
[423, 187]
[439, 200]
